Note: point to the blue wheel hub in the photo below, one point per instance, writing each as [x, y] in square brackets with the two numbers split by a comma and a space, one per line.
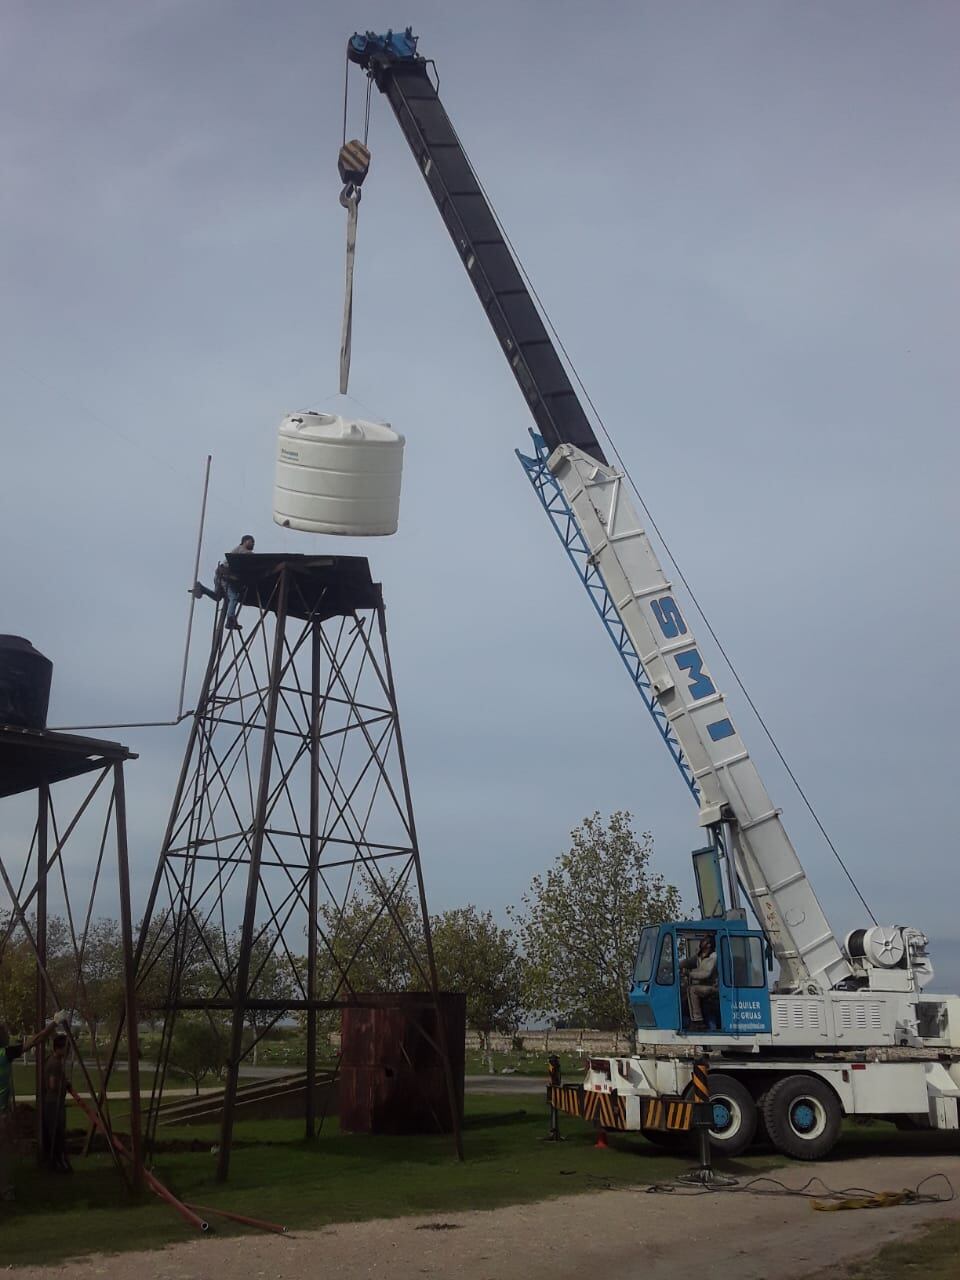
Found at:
[804, 1117]
[722, 1116]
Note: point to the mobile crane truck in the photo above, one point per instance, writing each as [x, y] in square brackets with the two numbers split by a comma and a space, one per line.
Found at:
[845, 1028]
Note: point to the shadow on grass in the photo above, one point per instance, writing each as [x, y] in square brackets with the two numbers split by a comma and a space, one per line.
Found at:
[879, 1139]
[471, 1123]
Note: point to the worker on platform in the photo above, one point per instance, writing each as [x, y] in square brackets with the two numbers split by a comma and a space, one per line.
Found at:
[9, 1053]
[54, 1107]
[224, 584]
[702, 977]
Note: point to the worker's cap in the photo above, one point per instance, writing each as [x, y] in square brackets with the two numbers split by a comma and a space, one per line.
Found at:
[248, 537]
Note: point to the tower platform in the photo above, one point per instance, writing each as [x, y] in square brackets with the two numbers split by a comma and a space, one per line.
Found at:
[319, 587]
[30, 758]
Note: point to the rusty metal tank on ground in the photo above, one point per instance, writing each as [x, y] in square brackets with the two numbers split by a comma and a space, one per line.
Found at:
[337, 475]
[25, 677]
[392, 1078]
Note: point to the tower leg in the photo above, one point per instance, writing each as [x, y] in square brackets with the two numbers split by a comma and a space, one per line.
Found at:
[241, 993]
[313, 886]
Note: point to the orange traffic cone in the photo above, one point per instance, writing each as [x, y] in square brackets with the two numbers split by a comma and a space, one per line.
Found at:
[601, 1143]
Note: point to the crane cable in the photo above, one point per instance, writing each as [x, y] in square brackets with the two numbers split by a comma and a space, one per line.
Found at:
[666, 546]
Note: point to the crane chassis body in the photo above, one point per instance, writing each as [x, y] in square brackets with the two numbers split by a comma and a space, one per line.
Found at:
[846, 1028]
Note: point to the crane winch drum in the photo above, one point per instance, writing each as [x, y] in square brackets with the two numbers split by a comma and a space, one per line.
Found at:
[337, 475]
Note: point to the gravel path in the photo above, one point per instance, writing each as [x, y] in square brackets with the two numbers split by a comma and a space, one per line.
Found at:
[618, 1235]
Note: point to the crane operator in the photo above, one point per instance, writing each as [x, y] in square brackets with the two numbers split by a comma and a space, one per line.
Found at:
[701, 972]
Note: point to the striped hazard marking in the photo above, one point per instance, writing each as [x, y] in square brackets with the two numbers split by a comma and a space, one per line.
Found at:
[566, 1098]
[667, 1113]
[609, 1110]
[353, 161]
[606, 1109]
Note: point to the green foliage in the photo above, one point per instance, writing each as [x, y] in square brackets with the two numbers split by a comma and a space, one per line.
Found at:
[200, 961]
[18, 980]
[85, 971]
[199, 1048]
[579, 924]
[365, 947]
[99, 993]
[475, 955]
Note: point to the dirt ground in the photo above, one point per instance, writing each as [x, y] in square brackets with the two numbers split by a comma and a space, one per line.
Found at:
[616, 1234]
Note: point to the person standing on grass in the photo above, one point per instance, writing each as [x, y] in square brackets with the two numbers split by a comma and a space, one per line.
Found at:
[9, 1053]
[55, 1108]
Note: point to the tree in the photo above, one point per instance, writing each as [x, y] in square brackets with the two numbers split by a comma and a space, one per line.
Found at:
[475, 955]
[198, 1048]
[18, 979]
[365, 949]
[98, 980]
[579, 924]
[271, 978]
[92, 988]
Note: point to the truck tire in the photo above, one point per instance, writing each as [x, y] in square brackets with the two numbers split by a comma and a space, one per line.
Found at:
[734, 1115]
[802, 1115]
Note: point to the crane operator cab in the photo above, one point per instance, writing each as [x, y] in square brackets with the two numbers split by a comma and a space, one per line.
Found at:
[702, 977]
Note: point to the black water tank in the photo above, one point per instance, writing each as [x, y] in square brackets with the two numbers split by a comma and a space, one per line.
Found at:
[25, 678]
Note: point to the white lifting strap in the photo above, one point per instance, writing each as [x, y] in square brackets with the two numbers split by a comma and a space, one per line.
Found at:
[351, 203]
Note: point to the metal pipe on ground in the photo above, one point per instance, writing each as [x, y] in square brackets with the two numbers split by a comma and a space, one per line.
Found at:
[154, 1183]
[240, 1217]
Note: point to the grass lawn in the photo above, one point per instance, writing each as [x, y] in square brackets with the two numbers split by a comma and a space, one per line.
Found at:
[343, 1177]
[932, 1255]
[25, 1079]
[339, 1178]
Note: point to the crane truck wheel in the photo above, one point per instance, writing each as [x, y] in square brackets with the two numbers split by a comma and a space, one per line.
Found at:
[735, 1115]
[802, 1116]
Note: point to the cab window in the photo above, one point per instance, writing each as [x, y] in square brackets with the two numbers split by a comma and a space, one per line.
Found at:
[665, 966]
[743, 962]
[645, 954]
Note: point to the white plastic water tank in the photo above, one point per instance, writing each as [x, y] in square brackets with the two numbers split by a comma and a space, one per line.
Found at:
[337, 475]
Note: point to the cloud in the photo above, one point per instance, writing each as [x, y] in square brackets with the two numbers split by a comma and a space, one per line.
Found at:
[743, 233]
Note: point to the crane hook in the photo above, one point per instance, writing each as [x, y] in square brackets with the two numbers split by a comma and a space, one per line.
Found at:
[353, 164]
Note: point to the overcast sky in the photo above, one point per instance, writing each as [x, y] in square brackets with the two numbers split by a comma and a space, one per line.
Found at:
[743, 220]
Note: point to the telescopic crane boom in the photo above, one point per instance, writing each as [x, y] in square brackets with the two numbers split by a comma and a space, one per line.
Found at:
[731, 792]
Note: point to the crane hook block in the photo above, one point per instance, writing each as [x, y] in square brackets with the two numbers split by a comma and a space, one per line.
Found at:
[353, 163]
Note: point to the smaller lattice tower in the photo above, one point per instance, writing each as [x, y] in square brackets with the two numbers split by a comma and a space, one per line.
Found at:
[292, 805]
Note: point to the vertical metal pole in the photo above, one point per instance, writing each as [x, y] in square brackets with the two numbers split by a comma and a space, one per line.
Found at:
[198, 716]
[313, 887]
[452, 1092]
[729, 841]
[703, 1113]
[253, 886]
[129, 973]
[193, 598]
[43, 812]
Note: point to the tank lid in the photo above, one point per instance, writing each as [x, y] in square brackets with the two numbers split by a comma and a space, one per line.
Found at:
[333, 427]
